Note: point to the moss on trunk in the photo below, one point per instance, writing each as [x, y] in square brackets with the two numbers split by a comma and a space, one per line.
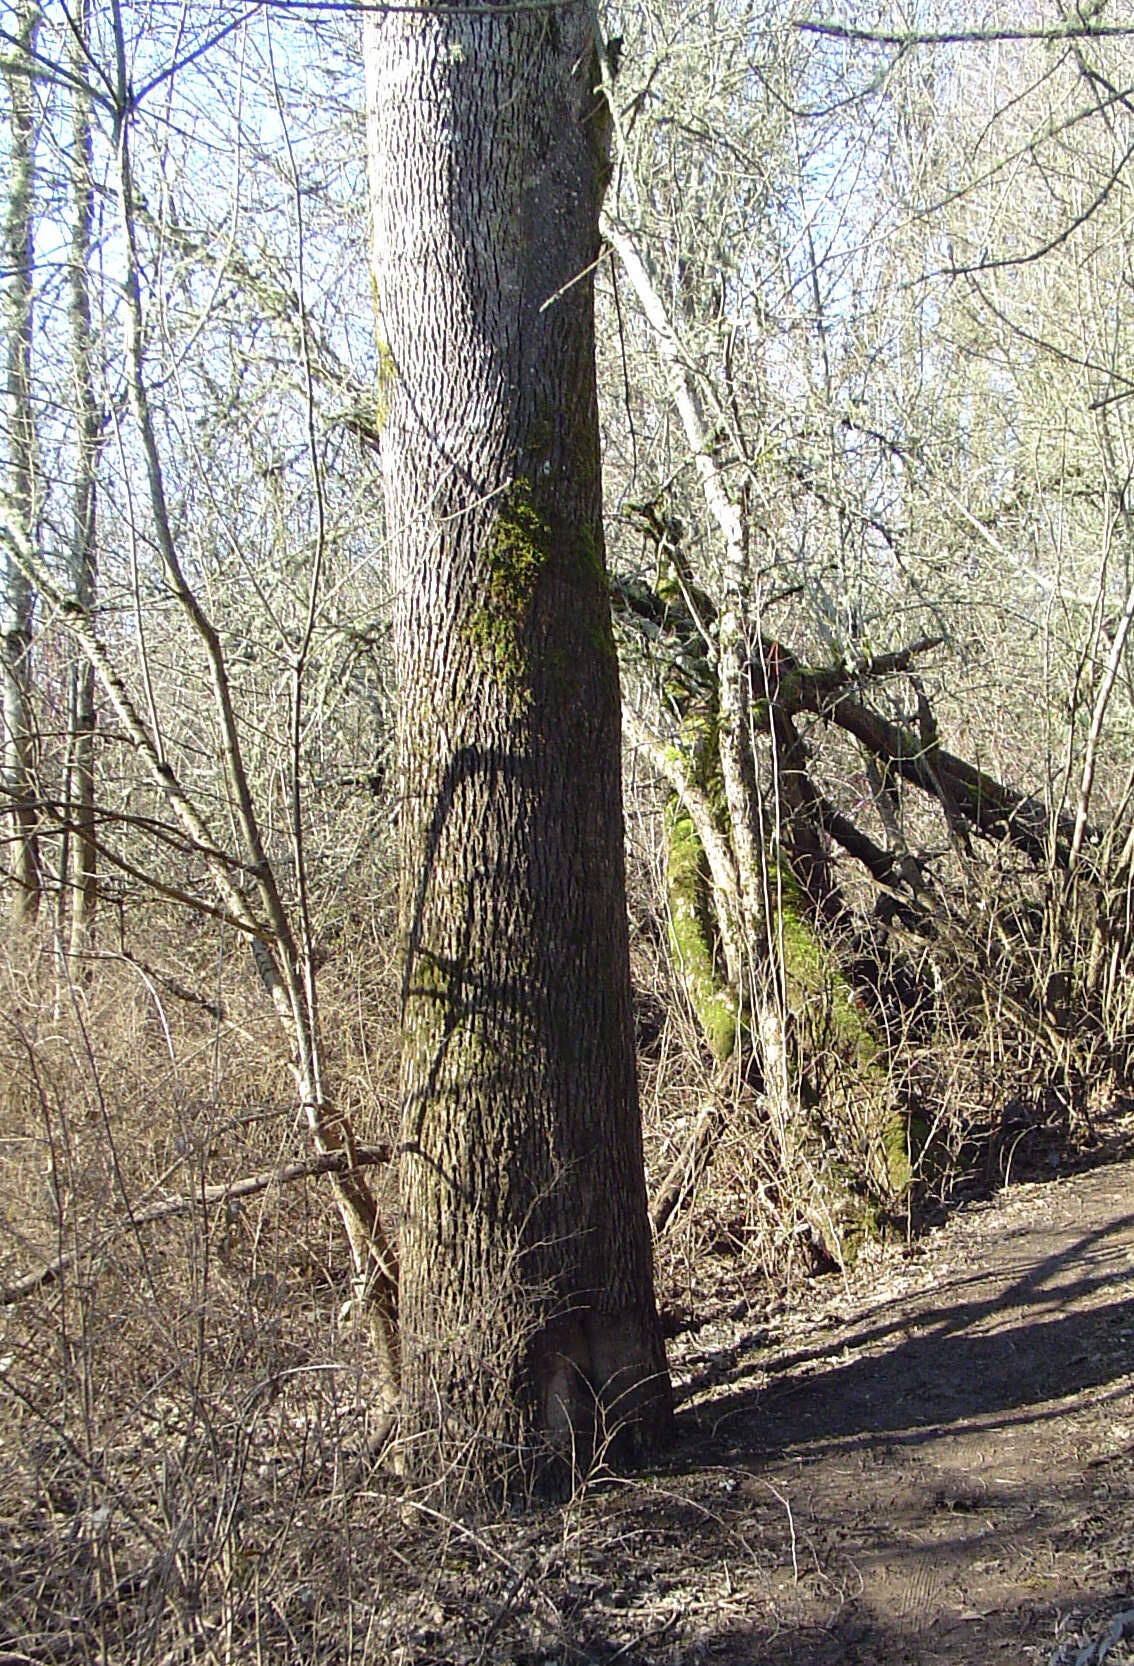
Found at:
[691, 935]
[695, 934]
[842, 1067]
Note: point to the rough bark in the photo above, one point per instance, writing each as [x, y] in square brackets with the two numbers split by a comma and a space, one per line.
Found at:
[527, 1308]
[19, 427]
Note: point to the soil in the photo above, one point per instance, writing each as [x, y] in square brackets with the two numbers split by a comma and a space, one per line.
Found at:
[939, 1465]
[935, 1464]
[927, 1462]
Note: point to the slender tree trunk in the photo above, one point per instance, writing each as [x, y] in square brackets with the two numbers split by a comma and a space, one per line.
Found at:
[18, 752]
[272, 936]
[84, 546]
[527, 1306]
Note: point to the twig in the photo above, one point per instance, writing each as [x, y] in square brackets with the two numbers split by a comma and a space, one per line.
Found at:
[679, 1182]
[326, 1162]
[1079, 28]
[775, 1491]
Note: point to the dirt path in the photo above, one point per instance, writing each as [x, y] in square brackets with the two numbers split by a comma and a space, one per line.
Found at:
[931, 1464]
[940, 1466]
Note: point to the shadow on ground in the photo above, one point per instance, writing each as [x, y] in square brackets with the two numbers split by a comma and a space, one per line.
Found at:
[1002, 1351]
[944, 1471]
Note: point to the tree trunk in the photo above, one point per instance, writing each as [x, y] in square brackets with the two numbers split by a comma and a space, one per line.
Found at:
[527, 1306]
[20, 446]
[84, 545]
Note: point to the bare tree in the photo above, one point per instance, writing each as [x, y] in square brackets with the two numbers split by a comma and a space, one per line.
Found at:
[19, 597]
[79, 793]
[205, 809]
[862, 322]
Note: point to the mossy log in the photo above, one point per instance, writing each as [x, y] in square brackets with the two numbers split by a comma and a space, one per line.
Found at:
[841, 1068]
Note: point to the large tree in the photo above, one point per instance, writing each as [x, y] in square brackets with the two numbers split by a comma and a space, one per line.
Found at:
[527, 1309]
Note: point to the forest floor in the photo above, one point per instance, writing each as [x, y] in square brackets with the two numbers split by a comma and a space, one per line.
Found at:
[925, 1462]
[929, 1461]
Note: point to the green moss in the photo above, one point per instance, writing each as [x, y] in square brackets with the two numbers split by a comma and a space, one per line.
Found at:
[817, 985]
[388, 379]
[444, 1030]
[714, 1004]
[701, 729]
[599, 625]
[597, 126]
[896, 1152]
[811, 968]
[541, 431]
[427, 1008]
[904, 1138]
[861, 1222]
[519, 547]
[433, 976]
[592, 550]
[522, 543]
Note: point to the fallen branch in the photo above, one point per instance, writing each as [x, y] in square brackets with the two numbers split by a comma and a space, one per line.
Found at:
[326, 1162]
[678, 1184]
[996, 811]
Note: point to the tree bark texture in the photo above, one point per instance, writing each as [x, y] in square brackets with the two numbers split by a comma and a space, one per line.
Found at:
[19, 435]
[527, 1307]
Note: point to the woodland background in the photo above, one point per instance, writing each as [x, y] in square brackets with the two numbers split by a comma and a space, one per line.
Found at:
[865, 318]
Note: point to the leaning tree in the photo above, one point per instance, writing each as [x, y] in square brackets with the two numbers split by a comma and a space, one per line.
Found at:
[528, 1317]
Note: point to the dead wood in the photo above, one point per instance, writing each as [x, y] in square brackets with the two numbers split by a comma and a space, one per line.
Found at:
[677, 1187]
[327, 1162]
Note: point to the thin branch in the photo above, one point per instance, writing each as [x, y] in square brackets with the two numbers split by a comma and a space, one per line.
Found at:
[195, 52]
[1080, 29]
[677, 1187]
[324, 1162]
[1041, 250]
[38, 68]
[493, 8]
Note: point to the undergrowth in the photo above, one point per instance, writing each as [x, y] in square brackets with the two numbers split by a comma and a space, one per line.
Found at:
[186, 1464]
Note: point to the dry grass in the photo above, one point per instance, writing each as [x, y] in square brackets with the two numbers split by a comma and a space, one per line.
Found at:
[184, 1461]
[179, 1378]
[184, 1464]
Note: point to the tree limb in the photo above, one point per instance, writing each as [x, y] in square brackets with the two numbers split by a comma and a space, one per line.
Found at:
[324, 1162]
[678, 1184]
[1079, 28]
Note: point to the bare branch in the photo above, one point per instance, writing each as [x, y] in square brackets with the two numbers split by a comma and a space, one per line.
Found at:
[1079, 28]
[324, 1162]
